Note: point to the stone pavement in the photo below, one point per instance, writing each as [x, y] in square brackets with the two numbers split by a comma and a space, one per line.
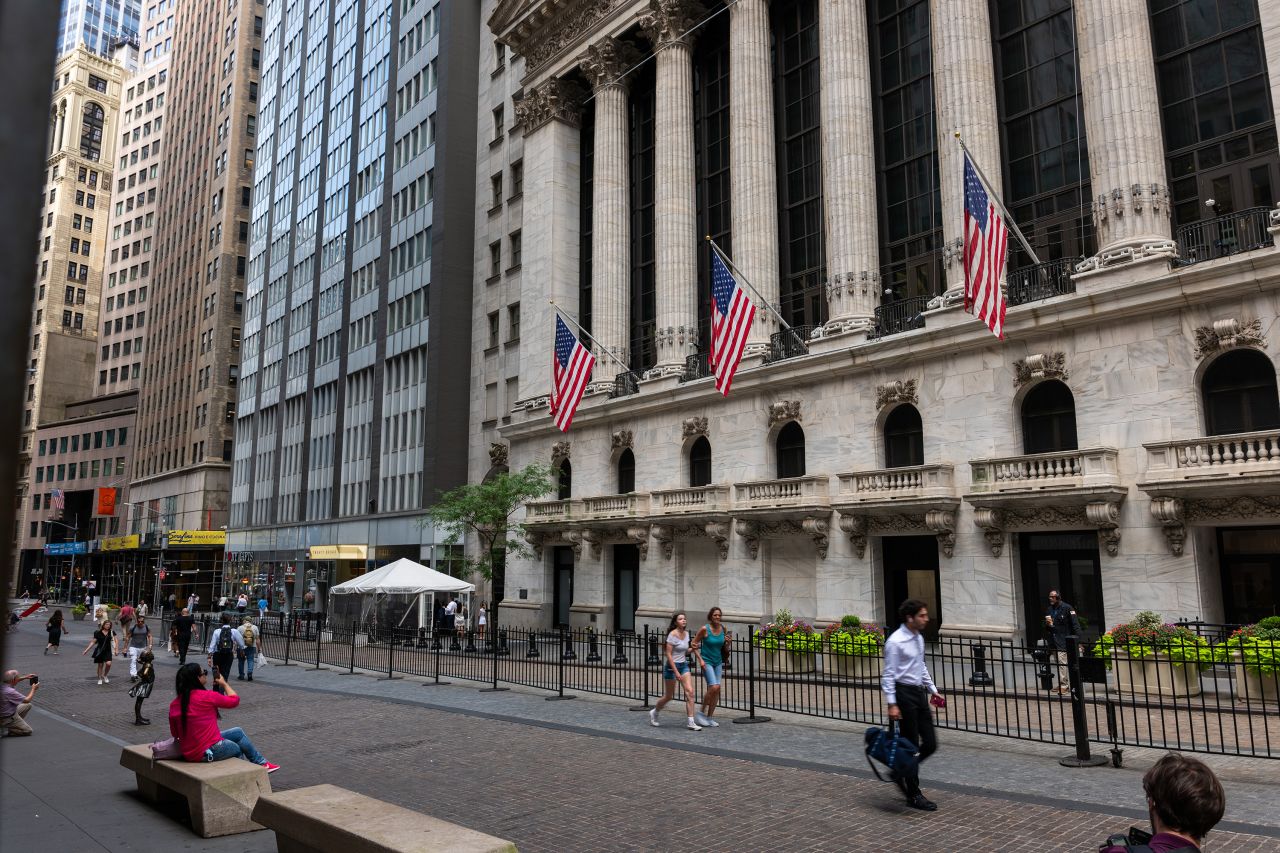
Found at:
[589, 775]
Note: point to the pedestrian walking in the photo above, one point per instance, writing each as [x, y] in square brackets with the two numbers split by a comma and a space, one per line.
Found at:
[460, 622]
[481, 618]
[56, 627]
[909, 690]
[103, 645]
[182, 626]
[139, 637]
[262, 607]
[173, 601]
[223, 645]
[245, 656]
[711, 646]
[1061, 623]
[193, 603]
[142, 689]
[125, 618]
[142, 608]
[193, 720]
[241, 603]
[676, 669]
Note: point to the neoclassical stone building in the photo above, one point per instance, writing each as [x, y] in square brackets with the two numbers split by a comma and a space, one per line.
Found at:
[1122, 443]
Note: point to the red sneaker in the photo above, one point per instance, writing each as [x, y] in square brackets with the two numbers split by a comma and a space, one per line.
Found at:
[271, 768]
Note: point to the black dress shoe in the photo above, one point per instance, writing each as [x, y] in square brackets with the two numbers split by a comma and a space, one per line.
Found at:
[924, 805]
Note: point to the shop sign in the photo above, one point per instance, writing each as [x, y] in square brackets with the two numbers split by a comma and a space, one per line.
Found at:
[178, 538]
[337, 552]
[121, 543]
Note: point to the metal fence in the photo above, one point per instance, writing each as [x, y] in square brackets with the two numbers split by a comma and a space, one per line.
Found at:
[993, 686]
[1229, 234]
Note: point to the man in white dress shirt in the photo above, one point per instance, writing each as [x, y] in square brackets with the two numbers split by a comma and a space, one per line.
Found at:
[909, 690]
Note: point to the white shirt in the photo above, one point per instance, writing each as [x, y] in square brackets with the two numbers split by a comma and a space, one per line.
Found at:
[451, 608]
[904, 662]
[237, 639]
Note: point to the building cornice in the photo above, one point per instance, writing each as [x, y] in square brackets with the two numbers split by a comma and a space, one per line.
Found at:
[543, 31]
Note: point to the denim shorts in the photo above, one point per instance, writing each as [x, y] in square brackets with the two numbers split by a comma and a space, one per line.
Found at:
[667, 674]
[713, 672]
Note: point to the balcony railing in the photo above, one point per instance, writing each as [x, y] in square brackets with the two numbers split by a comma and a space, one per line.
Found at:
[1041, 281]
[632, 505]
[777, 494]
[917, 481]
[1229, 234]
[1217, 453]
[901, 315]
[789, 343]
[546, 512]
[697, 366]
[625, 384]
[697, 499]
[1066, 469]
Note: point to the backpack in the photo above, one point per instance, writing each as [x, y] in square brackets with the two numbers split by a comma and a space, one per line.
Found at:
[247, 633]
[225, 643]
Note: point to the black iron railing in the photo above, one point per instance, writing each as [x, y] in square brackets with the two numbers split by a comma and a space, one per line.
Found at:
[1229, 234]
[901, 315]
[1041, 281]
[625, 384]
[696, 366]
[789, 343]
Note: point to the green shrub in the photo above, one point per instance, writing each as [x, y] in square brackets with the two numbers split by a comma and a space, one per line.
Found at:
[1146, 634]
[854, 637]
[786, 632]
[848, 621]
[1258, 646]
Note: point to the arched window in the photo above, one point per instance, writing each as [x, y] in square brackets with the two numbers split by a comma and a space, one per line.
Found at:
[1239, 391]
[903, 438]
[1049, 419]
[626, 472]
[790, 447]
[564, 481]
[91, 132]
[700, 462]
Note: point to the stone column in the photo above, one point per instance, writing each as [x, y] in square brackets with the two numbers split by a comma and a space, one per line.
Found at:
[964, 98]
[753, 166]
[603, 64]
[849, 167]
[1122, 114]
[675, 207]
[548, 115]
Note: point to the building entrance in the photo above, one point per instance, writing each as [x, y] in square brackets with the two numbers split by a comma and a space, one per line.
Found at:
[1067, 562]
[1250, 573]
[626, 586]
[911, 571]
[562, 601]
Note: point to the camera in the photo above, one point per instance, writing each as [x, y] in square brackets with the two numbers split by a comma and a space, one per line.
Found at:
[1133, 838]
[35, 679]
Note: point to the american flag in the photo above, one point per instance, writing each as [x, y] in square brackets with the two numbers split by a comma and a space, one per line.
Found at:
[732, 314]
[986, 241]
[570, 372]
[56, 499]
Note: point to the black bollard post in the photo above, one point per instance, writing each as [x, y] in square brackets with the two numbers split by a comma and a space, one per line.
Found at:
[980, 676]
[644, 671]
[566, 638]
[593, 648]
[533, 646]
[751, 683]
[435, 640]
[454, 645]
[619, 657]
[1081, 758]
[317, 649]
[352, 669]
[422, 637]
[1117, 754]
[503, 649]
[566, 642]
[391, 650]
[471, 640]
[494, 651]
[436, 648]
[652, 659]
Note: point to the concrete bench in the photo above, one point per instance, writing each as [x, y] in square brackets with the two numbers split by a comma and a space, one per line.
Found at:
[330, 819]
[220, 795]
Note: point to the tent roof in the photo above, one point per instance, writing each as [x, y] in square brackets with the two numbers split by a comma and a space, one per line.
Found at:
[403, 577]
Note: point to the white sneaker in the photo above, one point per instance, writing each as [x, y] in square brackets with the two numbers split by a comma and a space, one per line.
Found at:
[107, 680]
[701, 719]
[707, 721]
[692, 726]
[99, 682]
[653, 717]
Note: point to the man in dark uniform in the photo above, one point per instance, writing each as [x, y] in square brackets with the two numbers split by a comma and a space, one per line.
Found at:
[1060, 622]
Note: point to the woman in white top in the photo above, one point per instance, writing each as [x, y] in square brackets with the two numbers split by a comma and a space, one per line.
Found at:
[480, 621]
[676, 669]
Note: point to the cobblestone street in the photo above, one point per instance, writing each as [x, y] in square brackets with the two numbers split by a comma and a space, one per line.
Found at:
[588, 775]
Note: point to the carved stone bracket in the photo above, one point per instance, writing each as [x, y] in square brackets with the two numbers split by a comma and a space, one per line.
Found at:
[694, 426]
[1169, 512]
[555, 100]
[622, 440]
[559, 452]
[899, 391]
[855, 526]
[665, 536]
[498, 454]
[1227, 334]
[574, 538]
[992, 523]
[783, 411]
[639, 534]
[718, 532]
[817, 528]
[750, 533]
[594, 539]
[536, 541]
[1039, 366]
[943, 523]
[1105, 515]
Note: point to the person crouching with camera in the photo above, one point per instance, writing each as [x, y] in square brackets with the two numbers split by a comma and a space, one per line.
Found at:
[1185, 801]
[14, 706]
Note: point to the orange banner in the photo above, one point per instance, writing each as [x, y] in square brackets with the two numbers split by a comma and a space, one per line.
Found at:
[105, 501]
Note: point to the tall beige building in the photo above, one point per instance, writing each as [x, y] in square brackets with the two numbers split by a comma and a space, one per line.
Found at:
[191, 358]
[83, 132]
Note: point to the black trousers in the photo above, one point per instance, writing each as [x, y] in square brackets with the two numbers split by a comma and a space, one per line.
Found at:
[223, 661]
[183, 644]
[917, 727]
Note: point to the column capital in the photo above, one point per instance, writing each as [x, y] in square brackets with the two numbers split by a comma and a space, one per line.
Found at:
[556, 99]
[605, 62]
[666, 22]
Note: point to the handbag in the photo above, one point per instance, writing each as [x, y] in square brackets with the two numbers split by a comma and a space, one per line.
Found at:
[168, 749]
[891, 749]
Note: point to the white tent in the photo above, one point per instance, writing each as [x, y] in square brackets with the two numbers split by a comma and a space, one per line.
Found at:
[389, 593]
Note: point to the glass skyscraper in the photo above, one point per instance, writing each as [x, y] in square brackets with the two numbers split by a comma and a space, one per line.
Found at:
[97, 24]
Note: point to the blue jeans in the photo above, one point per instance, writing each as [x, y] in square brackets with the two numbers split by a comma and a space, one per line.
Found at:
[249, 654]
[671, 676]
[234, 744]
[713, 673]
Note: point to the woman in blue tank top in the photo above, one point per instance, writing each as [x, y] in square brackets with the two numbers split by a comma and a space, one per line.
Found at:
[712, 648]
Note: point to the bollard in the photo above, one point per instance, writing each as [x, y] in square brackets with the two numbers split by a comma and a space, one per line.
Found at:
[644, 672]
[653, 659]
[503, 649]
[352, 670]
[593, 649]
[1117, 754]
[317, 649]
[391, 650]
[567, 638]
[980, 676]
[422, 637]
[619, 657]
[751, 683]
[532, 651]
[436, 648]
[568, 650]
[435, 640]
[1080, 722]
[494, 652]
[1043, 671]
[471, 641]
[454, 645]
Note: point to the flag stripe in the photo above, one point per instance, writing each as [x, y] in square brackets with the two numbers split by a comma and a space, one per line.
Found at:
[986, 244]
[732, 315]
[571, 365]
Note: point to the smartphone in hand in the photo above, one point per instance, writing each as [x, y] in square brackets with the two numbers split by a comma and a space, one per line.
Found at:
[937, 701]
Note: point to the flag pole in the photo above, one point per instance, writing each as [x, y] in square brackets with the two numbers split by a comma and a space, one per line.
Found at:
[733, 267]
[601, 346]
[1013, 226]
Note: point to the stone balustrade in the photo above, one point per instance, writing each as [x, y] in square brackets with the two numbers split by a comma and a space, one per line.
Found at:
[917, 481]
[603, 507]
[778, 494]
[697, 499]
[1067, 469]
[1197, 456]
[549, 512]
